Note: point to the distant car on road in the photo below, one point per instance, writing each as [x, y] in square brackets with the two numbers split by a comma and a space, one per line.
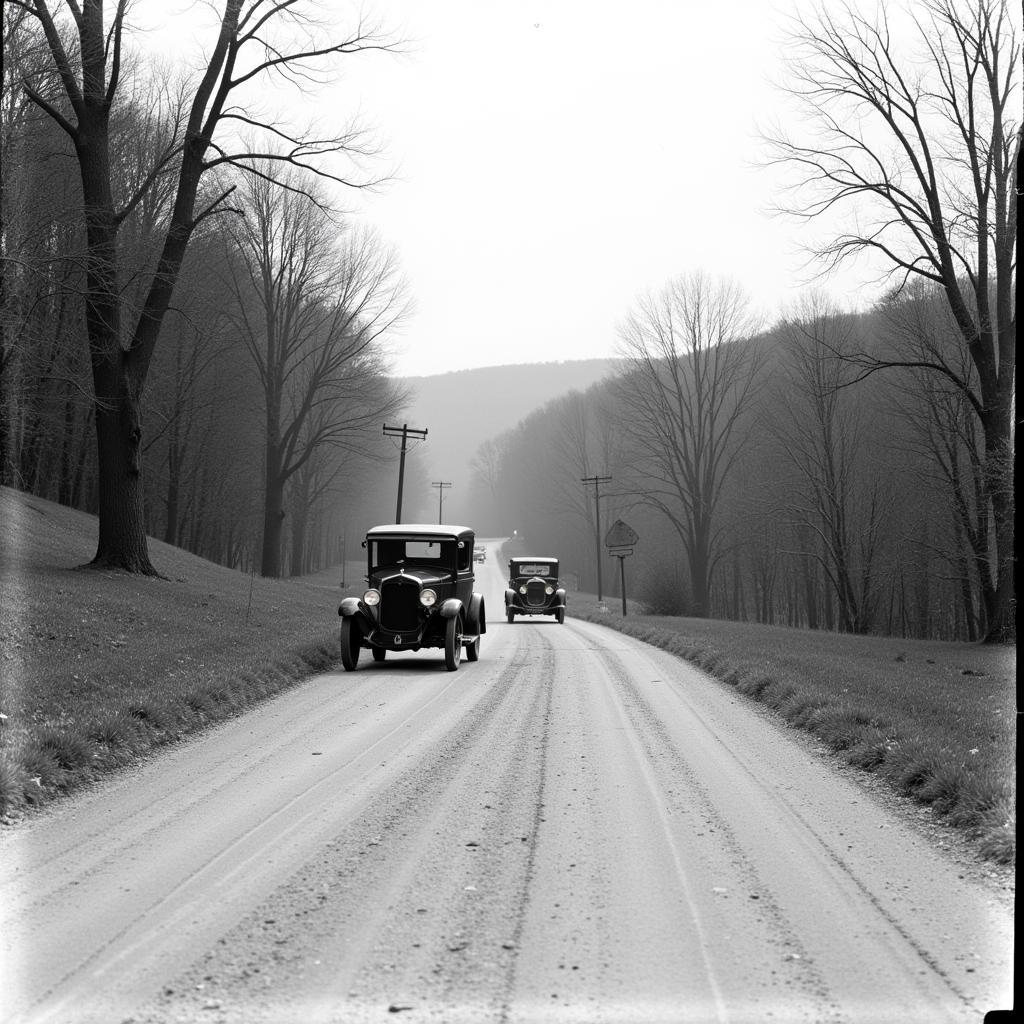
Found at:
[479, 553]
[419, 594]
[533, 588]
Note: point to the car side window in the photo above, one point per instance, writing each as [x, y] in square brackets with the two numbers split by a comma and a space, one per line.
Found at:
[465, 560]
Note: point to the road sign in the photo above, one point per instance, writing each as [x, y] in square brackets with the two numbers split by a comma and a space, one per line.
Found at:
[621, 535]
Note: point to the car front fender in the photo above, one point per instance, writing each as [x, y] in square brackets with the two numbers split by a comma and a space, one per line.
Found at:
[353, 608]
[560, 597]
[510, 597]
[450, 608]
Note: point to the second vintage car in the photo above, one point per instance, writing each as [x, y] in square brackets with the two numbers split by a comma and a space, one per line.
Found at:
[419, 594]
[533, 588]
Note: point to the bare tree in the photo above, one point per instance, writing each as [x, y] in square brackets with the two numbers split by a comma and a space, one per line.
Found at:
[81, 93]
[691, 366]
[946, 437]
[836, 499]
[927, 153]
[312, 314]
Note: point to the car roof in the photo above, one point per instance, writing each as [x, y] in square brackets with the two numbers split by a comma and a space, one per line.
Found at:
[420, 530]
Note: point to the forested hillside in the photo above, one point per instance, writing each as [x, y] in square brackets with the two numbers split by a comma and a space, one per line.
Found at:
[465, 409]
[768, 477]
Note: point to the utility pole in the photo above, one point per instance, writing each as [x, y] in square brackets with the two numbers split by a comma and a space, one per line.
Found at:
[440, 485]
[597, 481]
[404, 431]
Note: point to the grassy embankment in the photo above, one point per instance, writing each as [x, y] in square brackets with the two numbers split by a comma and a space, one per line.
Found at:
[99, 668]
[934, 720]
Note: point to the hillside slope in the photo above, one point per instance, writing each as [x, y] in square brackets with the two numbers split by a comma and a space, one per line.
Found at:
[463, 409]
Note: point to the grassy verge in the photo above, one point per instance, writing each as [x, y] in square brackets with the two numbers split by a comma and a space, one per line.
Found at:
[934, 720]
[100, 668]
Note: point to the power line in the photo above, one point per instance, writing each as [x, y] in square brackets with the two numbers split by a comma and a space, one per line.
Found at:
[440, 485]
[404, 431]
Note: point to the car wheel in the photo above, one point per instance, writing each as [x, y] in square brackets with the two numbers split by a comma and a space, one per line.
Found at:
[379, 653]
[560, 615]
[452, 644]
[510, 615]
[349, 644]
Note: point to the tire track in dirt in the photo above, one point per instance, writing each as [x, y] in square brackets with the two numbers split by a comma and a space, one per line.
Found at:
[415, 901]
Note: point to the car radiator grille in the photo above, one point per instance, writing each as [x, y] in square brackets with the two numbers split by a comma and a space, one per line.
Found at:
[535, 592]
[400, 606]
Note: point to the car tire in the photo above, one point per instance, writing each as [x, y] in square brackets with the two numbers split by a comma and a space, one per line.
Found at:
[560, 616]
[350, 638]
[379, 653]
[510, 615]
[452, 644]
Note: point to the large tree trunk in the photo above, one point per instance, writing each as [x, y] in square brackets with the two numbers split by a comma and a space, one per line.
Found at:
[273, 518]
[122, 538]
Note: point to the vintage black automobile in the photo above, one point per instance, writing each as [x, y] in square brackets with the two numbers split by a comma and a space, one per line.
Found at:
[419, 594]
[533, 588]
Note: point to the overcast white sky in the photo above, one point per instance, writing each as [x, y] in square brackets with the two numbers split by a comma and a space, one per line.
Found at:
[555, 158]
[558, 157]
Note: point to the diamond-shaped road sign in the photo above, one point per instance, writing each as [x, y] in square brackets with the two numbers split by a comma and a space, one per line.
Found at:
[620, 535]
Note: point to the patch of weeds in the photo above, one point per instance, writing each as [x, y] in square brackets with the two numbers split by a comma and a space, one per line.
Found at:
[776, 695]
[755, 685]
[909, 771]
[149, 712]
[116, 730]
[201, 702]
[998, 835]
[12, 783]
[798, 709]
[40, 768]
[979, 795]
[869, 752]
[69, 749]
[732, 677]
[942, 788]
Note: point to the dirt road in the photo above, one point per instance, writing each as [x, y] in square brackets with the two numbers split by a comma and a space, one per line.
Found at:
[575, 828]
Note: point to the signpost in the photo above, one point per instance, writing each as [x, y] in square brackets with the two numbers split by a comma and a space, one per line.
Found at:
[619, 541]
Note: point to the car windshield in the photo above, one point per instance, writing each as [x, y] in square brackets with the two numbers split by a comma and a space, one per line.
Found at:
[547, 569]
[412, 551]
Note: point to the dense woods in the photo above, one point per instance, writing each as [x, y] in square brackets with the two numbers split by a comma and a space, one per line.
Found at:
[816, 502]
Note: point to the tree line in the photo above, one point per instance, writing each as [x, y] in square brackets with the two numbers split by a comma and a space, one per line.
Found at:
[194, 340]
[839, 470]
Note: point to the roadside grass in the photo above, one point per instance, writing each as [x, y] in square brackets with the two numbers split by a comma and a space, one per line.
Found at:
[935, 720]
[99, 668]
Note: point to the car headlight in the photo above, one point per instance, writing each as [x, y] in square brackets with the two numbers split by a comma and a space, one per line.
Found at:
[371, 597]
[428, 597]
[522, 590]
[549, 590]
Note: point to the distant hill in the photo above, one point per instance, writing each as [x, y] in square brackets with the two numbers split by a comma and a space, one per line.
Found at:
[463, 409]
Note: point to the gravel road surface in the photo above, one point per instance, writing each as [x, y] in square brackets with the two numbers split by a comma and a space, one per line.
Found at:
[576, 828]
